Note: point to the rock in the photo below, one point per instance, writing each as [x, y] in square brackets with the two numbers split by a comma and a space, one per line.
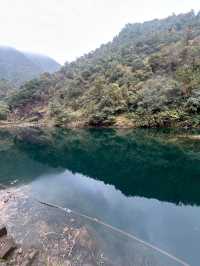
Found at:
[32, 255]
[85, 239]
[26, 263]
[20, 251]
[3, 230]
[7, 244]
[28, 257]
[66, 230]
[23, 257]
[2, 187]
[67, 263]
[6, 200]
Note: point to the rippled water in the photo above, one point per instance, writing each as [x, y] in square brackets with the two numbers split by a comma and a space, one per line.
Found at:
[146, 182]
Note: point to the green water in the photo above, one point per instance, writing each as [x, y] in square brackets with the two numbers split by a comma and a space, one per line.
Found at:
[146, 182]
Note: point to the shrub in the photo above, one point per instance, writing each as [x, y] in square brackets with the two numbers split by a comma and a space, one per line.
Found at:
[189, 76]
[192, 104]
[4, 110]
[156, 95]
[101, 119]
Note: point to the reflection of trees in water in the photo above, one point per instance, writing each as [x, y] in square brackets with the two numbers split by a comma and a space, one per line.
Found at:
[14, 163]
[149, 163]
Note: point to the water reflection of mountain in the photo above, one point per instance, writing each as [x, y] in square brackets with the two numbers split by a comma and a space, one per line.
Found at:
[152, 164]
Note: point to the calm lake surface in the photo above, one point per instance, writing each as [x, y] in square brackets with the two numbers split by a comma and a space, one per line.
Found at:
[146, 182]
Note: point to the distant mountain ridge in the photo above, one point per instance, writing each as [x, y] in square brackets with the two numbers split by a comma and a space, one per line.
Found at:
[43, 62]
[18, 67]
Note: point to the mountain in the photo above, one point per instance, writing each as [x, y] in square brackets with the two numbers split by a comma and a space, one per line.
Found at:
[44, 63]
[148, 76]
[18, 67]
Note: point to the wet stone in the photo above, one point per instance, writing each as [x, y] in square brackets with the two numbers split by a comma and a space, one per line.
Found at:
[23, 257]
[2, 187]
[7, 244]
[3, 230]
[46, 236]
[29, 258]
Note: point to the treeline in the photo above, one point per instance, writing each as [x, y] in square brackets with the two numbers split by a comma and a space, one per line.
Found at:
[148, 76]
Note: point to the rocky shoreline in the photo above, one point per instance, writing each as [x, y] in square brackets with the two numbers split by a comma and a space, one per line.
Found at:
[40, 240]
[119, 125]
[22, 124]
[47, 236]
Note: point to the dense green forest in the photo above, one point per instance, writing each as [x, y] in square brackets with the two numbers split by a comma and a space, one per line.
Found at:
[5, 88]
[148, 76]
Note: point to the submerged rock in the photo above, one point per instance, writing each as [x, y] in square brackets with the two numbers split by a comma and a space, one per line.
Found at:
[3, 230]
[7, 244]
[2, 187]
[49, 236]
[45, 235]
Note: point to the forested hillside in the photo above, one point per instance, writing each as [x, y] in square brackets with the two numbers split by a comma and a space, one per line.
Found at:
[17, 67]
[5, 88]
[148, 76]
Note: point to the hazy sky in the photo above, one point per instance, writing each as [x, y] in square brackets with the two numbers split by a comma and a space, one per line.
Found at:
[66, 29]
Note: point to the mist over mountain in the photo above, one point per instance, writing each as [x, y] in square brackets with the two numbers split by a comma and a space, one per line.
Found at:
[17, 67]
[44, 63]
